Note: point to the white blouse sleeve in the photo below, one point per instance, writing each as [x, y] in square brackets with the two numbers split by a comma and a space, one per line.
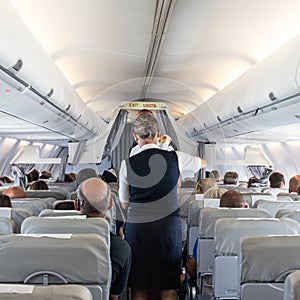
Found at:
[187, 162]
[123, 184]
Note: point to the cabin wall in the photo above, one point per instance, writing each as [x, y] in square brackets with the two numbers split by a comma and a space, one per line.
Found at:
[10, 147]
[283, 156]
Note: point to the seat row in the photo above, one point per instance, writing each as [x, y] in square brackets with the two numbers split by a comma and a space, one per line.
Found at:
[219, 234]
[26, 207]
[71, 251]
[274, 208]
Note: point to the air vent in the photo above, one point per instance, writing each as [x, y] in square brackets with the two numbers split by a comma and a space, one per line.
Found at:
[272, 97]
[239, 109]
[50, 93]
[18, 65]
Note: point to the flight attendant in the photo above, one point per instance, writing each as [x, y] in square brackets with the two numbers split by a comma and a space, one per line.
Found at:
[148, 189]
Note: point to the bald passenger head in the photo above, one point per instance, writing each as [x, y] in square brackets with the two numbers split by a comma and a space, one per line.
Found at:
[94, 197]
[294, 183]
[233, 199]
[14, 192]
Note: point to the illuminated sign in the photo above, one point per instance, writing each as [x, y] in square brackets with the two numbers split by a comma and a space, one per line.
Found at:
[143, 105]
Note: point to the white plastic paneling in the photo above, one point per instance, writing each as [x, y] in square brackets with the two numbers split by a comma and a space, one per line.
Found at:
[31, 154]
[278, 74]
[38, 70]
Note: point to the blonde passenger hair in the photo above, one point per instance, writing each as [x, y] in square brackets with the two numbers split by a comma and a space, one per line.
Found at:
[214, 193]
[204, 184]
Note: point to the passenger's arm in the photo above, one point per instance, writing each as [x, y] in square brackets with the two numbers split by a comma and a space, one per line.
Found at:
[120, 254]
[125, 205]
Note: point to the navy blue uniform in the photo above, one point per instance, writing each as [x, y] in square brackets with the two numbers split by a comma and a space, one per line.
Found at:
[153, 228]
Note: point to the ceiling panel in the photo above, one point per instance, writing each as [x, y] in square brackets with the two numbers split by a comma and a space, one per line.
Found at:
[101, 46]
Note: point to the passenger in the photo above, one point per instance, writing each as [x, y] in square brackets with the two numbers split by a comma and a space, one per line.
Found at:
[38, 185]
[188, 183]
[14, 192]
[33, 175]
[65, 205]
[253, 182]
[205, 184]
[231, 178]
[70, 177]
[85, 174]
[277, 184]
[5, 201]
[214, 193]
[231, 199]
[148, 185]
[6, 179]
[94, 200]
[215, 175]
[109, 175]
[294, 183]
[45, 174]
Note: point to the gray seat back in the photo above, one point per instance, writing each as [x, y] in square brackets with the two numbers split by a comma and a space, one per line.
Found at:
[53, 292]
[17, 215]
[293, 196]
[195, 207]
[274, 206]
[289, 213]
[7, 226]
[269, 259]
[192, 223]
[229, 231]
[36, 206]
[78, 258]
[49, 200]
[37, 225]
[70, 186]
[58, 213]
[209, 216]
[292, 286]
[58, 194]
[185, 196]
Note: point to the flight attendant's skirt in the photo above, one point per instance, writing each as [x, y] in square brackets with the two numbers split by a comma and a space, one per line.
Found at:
[156, 253]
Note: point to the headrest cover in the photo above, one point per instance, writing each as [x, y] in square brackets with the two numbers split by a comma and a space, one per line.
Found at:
[83, 258]
[85, 174]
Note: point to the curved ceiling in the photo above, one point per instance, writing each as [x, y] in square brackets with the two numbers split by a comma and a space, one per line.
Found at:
[182, 52]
